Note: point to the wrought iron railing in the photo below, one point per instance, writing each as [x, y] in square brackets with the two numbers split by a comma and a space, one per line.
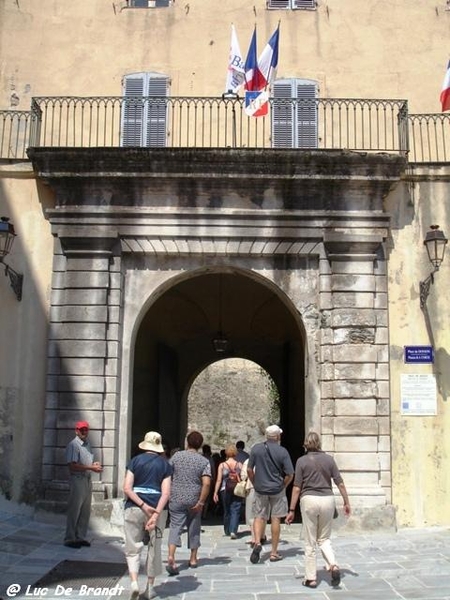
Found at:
[15, 133]
[354, 124]
[429, 138]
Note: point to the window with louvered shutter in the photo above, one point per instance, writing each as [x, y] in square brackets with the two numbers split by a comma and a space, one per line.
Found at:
[144, 115]
[294, 114]
[292, 4]
[144, 3]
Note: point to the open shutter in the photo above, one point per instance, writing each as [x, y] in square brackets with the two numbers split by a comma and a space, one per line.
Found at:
[306, 117]
[157, 112]
[133, 111]
[294, 114]
[144, 115]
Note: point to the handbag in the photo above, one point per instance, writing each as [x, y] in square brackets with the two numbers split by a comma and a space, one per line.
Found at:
[241, 489]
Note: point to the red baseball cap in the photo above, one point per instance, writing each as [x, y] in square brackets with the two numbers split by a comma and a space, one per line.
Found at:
[81, 425]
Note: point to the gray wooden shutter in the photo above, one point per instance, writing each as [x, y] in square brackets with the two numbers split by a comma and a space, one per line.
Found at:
[133, 111]
[280, 4]
[157, 112]
[302, 4]
[294, 114]
[144, 115]
[306, 117]
[282, 114]
[295, 4]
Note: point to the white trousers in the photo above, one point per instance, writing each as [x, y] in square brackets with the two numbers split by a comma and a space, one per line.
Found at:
[317, 516]
[134, 526]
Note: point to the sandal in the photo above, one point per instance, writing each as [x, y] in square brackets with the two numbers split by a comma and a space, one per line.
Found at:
[335, 576]
[275, 558]
[254, 556]
[172, 568]
[311, 583]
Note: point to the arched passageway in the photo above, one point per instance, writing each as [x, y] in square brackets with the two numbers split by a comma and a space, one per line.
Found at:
[176, 341]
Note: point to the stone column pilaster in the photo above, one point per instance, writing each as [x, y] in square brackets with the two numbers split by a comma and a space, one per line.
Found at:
[354, 365]
[82, 360]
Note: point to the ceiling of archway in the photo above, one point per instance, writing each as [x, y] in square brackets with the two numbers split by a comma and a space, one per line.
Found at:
[199, 307]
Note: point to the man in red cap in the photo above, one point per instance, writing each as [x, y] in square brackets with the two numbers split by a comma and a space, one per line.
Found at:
[80, 460]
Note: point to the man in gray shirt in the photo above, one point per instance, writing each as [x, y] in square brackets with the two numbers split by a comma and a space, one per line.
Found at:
[270, 470]
[80, 460]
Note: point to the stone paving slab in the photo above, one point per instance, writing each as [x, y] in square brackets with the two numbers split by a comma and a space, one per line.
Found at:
[407, 565]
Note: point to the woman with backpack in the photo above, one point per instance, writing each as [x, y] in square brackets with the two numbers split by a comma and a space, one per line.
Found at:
[228, 475]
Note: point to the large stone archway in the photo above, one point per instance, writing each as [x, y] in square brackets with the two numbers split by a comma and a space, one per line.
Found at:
[142, 236]
[176, 337]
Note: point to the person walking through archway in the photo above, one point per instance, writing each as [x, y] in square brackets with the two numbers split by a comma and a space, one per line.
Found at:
[312, 484]
[228, 475]
[270, 470]
[147, 489]
[191, 482]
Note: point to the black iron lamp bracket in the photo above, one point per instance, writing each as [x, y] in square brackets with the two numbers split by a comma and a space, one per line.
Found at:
[15, 279]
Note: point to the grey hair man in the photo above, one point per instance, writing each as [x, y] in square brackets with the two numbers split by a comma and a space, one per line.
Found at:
[270, 470]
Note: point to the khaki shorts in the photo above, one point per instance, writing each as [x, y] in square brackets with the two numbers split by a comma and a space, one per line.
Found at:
[270, 506]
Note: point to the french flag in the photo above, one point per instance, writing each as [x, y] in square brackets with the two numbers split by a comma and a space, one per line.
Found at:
[268, 61]
[254, 80]
[259, 74]
[445, 93]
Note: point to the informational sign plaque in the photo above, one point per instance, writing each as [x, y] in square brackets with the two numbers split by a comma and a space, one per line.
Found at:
[418, 394]
[419, 354]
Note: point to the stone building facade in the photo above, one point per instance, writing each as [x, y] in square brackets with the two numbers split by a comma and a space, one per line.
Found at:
[305, 261]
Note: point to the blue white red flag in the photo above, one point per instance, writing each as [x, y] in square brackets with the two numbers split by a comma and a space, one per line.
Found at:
[253, 78]
[445, 93]
[236, 72]
[256, 103]
[268, 61]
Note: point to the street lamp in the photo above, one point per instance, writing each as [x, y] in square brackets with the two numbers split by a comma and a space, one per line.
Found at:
[7, 235]
[435, 242]
[220, 341]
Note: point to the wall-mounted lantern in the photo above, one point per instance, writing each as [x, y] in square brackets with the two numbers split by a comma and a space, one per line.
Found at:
[435, 242]
[7, 235]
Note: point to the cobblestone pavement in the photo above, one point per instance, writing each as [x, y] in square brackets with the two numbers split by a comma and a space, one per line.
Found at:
[409, 564]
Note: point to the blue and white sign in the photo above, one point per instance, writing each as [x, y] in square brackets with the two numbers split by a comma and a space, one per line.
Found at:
[419, 354]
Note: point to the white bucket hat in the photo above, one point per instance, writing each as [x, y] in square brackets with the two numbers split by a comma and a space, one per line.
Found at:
[152, 441]
[273, 431]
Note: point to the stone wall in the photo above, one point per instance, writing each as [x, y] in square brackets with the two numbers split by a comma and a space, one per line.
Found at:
[244, 402]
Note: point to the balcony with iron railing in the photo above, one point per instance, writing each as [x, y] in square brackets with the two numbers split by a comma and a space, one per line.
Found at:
[375, 125]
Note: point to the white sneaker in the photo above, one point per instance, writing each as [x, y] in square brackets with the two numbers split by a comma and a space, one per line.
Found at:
[149, 593]
[233, 536]
[134, 589]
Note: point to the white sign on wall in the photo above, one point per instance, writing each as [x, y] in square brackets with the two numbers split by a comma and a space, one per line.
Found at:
[418, 394]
